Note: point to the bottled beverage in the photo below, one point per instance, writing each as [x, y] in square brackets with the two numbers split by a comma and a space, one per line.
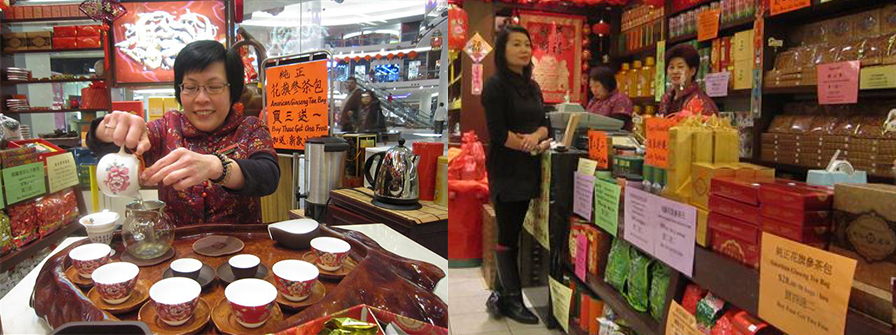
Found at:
[634, 79]
[622, 79]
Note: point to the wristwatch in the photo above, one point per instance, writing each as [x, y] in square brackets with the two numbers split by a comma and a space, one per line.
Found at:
[226, 166]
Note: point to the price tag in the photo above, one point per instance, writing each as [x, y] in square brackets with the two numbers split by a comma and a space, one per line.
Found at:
[24, 181]
[597, 148]
[561, 296]
[658, 141]
[581, 256]
[606, 206]
[803, 290]
[61, 171]
[838, 83]
[878, 77]
[680, 321]
[582, 196]
[784, 6]
[717, 84]
[708, 25]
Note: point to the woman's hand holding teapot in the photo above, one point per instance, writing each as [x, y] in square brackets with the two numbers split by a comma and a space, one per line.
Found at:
[183, 169]
[124, 129]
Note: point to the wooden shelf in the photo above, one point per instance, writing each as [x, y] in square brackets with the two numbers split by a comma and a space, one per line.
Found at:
[48, 81]
[14, 258]
[642, 323]
[644, 100]
[813, 89]
[645, 51]
[44, 111]
[53, 50]
[734, 26]
[742, 93]
[73, 18]
[820, 11]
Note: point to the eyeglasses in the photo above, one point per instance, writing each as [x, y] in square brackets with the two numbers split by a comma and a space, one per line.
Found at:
[193, 89]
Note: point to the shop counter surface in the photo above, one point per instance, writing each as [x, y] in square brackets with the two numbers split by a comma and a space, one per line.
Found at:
[46, 299]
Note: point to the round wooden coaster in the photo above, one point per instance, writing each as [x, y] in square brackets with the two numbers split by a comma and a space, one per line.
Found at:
[218, 245]
[137, 298]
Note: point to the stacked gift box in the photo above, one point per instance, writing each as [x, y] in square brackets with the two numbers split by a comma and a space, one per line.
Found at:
[62, 11]
[62, 37]
[702, 175]
[16, 74]
[740, 210]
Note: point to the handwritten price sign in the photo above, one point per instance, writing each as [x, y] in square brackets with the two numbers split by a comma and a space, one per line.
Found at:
[297, 103]
[658, 141]
[597, 148]
[784, 6]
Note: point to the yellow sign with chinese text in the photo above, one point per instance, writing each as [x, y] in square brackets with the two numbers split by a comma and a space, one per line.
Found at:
[680, 321]
[803, 290]
[297, 103]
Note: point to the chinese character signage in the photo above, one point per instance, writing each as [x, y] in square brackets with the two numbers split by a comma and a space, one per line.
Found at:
[803, 290]
[838, 83]
[658, 142]
[663, 228]
[297, 103]
[61, 171]
[784, 6]
[24, 181]
[597, 148]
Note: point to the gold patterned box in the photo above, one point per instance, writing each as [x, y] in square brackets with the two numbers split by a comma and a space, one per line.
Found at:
[865, 230]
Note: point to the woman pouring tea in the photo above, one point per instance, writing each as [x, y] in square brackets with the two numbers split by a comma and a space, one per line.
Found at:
[211, 163]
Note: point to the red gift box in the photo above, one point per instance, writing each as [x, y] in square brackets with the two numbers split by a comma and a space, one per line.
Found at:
[735, 248]
[733, 226]
[95, 96]
[88, 42]
[735, 209]
[44, 148]
[795, 217]
[89, 30]
[736, 189]
[65, 31]
[65, 42]
[369, 314]
[817, 235]
[796, 195]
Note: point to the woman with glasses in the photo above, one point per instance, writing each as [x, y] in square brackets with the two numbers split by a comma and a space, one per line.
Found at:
[211, 163]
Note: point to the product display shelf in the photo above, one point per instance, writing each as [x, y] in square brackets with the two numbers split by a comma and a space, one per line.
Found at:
[644, 101]
[813, 89]
[56, 19]
[741, 93]
[41, 111]
[12, 259]
[641, 322]
[52, 50]
[639, 53]
[739, 285]
[49, 81]
[726, 29]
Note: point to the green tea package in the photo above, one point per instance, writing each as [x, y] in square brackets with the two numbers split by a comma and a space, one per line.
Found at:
[658, 288]
[638, 283]
[617, 264]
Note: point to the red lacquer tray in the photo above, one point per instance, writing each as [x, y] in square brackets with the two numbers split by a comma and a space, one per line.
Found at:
[375, 281]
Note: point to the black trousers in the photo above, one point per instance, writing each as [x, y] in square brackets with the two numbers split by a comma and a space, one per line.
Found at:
[510, 217]
[439, 125]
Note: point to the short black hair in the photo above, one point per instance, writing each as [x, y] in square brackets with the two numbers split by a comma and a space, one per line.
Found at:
[686, 52]
[501, 50]
[352, 79]
[441, 104]
[198, 55]
[606, 77]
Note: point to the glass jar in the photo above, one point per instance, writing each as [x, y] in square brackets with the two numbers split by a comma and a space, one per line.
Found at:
[147, 232]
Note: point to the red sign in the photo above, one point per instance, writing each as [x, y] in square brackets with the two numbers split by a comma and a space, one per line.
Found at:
[148, 37]
[708, 25]
[658, 141]
[457, 28]
[556, 54]
[297, 103]
[784, 6]
[597, 148]
[838, 83]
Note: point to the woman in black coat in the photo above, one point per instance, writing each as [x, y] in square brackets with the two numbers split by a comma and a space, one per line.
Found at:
[518, 131]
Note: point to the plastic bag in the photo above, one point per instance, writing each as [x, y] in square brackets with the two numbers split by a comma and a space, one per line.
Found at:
[617, 264]
[6, 245]
[470, 163]
[658, 287]
[638, 283]
[709, 310]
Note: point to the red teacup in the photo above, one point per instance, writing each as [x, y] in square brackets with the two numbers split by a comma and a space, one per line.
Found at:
[176, 299]
[295, 279]
[116, 281]
[330, 252]
[252, 301]
[89, 257]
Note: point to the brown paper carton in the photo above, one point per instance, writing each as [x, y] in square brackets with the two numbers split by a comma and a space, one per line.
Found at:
[701, 180]
[702, 227]
[865, 229]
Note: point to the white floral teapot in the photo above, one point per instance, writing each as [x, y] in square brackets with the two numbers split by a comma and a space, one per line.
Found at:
[117, 175]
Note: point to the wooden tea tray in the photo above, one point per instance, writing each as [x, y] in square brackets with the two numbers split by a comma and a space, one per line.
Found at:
[58, 300]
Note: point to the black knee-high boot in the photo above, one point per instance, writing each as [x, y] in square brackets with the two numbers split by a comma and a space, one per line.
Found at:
[507, 299]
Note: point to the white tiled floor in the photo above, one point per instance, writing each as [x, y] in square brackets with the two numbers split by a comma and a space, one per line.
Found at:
[467, 293]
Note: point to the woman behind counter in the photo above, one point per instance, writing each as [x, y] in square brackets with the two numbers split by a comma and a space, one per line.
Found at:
[210, 162]
[517, 127]
[608, 101]
[685, 98]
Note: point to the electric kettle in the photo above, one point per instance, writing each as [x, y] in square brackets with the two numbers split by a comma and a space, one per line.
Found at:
[395, 180]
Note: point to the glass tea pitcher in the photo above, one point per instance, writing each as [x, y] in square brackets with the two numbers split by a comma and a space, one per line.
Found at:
[147, 232]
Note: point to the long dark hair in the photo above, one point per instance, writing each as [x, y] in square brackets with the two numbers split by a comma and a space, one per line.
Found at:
[501, 50]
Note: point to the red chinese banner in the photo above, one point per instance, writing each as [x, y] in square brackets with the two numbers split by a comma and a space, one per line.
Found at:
[297, 103]
[556, 54]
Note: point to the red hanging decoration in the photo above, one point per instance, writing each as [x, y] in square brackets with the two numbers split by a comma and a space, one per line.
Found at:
[357, 58]
[105, 11]
[390, 56]
[412, 54]
[238, 11]
[378, 56]
[346, 59]
[655, 3]
[457, 28]
[367, 58]
[586, 54]
[601, 28]
[586, 29]
[586, 41]
[400, 54]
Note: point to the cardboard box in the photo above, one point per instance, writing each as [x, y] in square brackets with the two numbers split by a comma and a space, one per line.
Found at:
[753, 172]
[803, 234]
[736, 248]
[89, 42]
[703, 228]
[156, 108]
[796, 195]
[55, 11]
[733, 226]
[701, 179]
[795, 216]
[733, 208]
[865, 230]
[65, 31]
[743, 46]
[40, 40]
[736, 189]
[743, 74]
[38, 12]
[15, 42]
[171, 105]
[65, 42]
[89, 30]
